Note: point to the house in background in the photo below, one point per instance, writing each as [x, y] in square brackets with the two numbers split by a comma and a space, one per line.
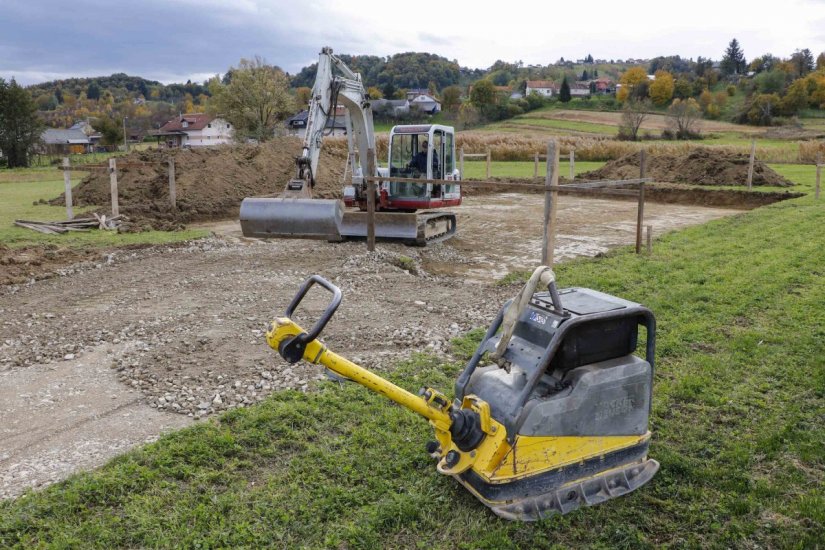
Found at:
[426, 103]
[60, 141]
[195, 130]
[93, 135]
[336, 125]
[580, 89]
[545, 88]
[603, 86]
[412, 93]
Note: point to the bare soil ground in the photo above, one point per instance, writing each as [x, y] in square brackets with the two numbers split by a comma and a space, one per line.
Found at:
[697, 167]
[113, 352]
[211, 182]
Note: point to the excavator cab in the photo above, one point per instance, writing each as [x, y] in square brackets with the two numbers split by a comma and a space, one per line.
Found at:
[423, 152]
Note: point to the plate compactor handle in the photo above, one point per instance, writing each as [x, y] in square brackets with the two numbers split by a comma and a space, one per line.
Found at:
[293, 349]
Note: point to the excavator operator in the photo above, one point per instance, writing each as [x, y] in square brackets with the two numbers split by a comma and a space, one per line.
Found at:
[419, 161]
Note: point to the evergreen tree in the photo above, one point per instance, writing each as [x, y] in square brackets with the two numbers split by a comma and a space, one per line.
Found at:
[734, 60]
[564, 92]
[803, 61]
[595, 73]
[93, 90]
[585, 76]
[20, 128]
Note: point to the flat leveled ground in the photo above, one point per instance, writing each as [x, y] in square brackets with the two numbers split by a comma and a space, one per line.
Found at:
[139, 342]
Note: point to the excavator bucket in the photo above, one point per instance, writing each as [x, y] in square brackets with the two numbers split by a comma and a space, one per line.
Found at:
[265, 217]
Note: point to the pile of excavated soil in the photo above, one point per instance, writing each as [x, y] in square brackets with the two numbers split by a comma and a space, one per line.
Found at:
[698, 167]
[210, 182]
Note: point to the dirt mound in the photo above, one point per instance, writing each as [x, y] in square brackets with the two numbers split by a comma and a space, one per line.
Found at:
[210, 182]
[698, 167]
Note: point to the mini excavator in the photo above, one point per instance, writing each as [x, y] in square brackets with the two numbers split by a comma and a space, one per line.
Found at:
[408, 210]
[551, 412]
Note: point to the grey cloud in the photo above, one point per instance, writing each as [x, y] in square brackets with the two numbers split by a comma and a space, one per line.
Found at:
[157, 40]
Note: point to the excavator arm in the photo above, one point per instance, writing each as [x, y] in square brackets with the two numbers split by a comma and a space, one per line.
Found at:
[330, 90]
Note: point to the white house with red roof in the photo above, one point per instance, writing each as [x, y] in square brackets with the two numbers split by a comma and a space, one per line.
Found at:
[545, 88]
[195, 130]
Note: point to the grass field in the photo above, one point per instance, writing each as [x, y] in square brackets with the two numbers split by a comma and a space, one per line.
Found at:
[550, 121]
[737, 419]
[514, 169]
[21, 188]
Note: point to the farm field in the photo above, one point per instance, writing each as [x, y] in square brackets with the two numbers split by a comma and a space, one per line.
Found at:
[739, 386]
[606, 122]
[549, 122]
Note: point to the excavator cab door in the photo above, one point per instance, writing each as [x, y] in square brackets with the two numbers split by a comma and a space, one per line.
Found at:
[405, 162]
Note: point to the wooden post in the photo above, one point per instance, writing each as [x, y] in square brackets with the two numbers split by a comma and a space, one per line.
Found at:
[488, 163]
[173, 190]
[67, 183]
[371, 172]
[750, 165]
[818, 173]
[113, 186]
[649, 239]
[640, 211]
[536, 166]
[572, 163]
[461, 163]
[551, 199]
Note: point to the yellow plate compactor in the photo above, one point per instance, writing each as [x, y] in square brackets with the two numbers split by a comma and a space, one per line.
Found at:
[550, 414]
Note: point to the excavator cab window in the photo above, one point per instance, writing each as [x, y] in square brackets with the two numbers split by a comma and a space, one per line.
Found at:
[405, 162]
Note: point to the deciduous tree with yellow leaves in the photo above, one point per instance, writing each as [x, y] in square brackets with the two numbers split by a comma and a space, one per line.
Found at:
[661, 89]
[630, 80]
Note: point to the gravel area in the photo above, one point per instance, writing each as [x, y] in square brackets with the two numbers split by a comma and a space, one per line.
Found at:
[113, 351]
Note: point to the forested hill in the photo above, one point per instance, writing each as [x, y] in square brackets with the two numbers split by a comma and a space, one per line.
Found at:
[120, 85]
[402, 70]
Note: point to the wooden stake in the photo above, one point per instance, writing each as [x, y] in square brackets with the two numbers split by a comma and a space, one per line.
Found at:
[113, 186]
[536, 166]
[750, 164]
[461, 163]
[550, 203]
[818, 173]
[488, 163]
[640, 211]
[67, 183]
[572, 163]
[173, 190]
[649, 239]
[371, 200]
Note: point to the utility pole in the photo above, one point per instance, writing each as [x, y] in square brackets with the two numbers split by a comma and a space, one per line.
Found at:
[125, 142]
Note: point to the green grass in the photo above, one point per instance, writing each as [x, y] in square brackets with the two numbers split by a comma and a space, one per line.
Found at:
[20, 189]
[737, 419]
[567, 126]
[477, 170]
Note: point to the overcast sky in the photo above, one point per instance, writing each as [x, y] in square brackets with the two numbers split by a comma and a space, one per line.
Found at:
[176, 40]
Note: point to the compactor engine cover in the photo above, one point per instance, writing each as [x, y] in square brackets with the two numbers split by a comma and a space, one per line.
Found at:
[575, 401]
